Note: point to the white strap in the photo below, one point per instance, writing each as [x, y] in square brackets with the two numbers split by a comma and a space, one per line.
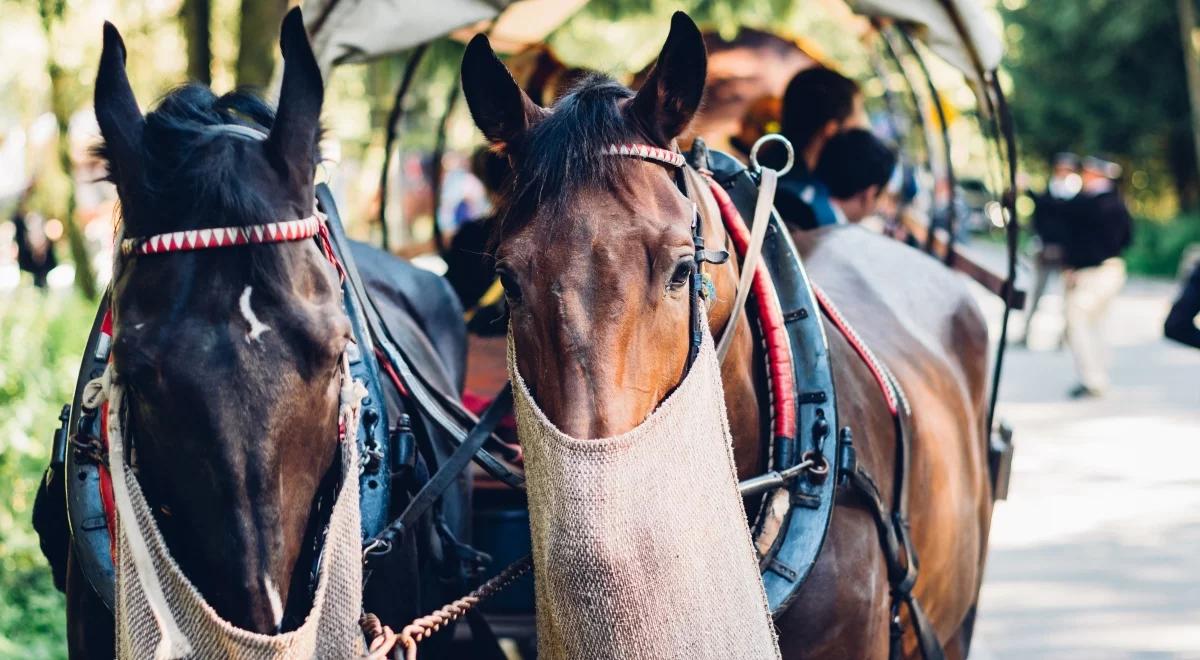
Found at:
[172, 642]
[758, 233]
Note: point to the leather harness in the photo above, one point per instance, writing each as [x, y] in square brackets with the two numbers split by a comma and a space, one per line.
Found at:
[807, 459]
[791, 556]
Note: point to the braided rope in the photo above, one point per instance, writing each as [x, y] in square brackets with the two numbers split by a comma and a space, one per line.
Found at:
[383, 640]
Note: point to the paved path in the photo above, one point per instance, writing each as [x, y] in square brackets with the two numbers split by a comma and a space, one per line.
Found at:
[1096, 554]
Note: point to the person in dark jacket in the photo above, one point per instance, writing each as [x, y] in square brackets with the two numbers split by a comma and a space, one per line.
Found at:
[1181, 321]
[819, 103]
[470, 270]
[855, 167]
[1096, 230]
[1048, 223]
[468, 267]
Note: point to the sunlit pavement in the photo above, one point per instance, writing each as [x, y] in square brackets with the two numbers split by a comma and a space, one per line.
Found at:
[1096, 553]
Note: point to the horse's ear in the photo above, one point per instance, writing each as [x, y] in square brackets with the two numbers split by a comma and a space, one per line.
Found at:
[500, 108]
[117, 113]
[297, 126]
[669, 98]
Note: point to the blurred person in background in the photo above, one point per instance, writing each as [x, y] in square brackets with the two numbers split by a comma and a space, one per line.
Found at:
[818, 104]
[761, 118]
[1048, 224]
[469, 267]
[463, 197]
[854, 168]
[1097, 229]
[35, 250]
[1181, 321]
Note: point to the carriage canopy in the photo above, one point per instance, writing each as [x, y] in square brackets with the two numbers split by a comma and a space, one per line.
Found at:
[959, 31]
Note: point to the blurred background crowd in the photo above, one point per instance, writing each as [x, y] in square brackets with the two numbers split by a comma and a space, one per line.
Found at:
[884, 131]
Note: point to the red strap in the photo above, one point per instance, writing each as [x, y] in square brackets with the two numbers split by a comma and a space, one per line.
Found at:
[770, 315]
[327, 248]
[391, 373]
[106, 486]
[859, 346]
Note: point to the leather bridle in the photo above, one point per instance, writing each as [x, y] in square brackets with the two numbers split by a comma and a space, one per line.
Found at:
[697, 287]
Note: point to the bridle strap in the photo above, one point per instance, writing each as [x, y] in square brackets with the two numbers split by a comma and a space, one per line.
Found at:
[696, 286]
[219, 237]
[283, 231]
[636, 150]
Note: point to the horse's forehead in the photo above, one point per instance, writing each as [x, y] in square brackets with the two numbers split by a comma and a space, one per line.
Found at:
[603, 227]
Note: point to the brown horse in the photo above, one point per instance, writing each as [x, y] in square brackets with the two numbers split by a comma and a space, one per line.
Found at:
[230, 357]
[595, 253]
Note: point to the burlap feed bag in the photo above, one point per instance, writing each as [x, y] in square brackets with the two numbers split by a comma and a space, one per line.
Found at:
[640, 543]
[162, 616]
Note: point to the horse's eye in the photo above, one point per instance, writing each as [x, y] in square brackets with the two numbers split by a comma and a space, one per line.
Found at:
[681, 274]
[512, 290]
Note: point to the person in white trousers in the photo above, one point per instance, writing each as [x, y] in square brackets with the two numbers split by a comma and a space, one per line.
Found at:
[1098, 229]
[1065, 183]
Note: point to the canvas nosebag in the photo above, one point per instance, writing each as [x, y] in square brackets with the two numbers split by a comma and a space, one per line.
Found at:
[640, 543]
[160, 615]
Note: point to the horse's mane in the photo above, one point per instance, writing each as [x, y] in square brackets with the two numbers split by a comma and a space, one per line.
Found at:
[198, 169]
[561, 154]
[189, 163]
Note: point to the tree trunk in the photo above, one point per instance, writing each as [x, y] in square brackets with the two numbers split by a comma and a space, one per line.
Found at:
[1187, 23]
[257, 38]
[197, 19]
[85, 279]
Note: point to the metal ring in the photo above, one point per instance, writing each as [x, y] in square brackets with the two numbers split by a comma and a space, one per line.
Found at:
[819, 468]
[773, 137]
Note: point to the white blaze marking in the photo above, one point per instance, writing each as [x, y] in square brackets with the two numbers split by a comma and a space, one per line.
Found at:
[273, 596]
[256, 327]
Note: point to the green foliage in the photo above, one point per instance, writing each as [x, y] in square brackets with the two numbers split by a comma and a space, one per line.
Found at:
[1104, 76]
[41, 340]
[1158, 246]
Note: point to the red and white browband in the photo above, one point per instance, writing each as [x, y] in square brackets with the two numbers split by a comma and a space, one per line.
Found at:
[665, 156]
[200, 239]
[296, 230]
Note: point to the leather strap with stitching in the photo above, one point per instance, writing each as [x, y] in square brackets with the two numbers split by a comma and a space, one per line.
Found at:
[901, 565]
[758, 232]
[448, 472]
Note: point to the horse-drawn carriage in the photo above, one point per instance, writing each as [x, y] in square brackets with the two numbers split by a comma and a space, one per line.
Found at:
[845, 428]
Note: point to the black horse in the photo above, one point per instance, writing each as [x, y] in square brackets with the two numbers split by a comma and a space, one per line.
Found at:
[229, 357]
